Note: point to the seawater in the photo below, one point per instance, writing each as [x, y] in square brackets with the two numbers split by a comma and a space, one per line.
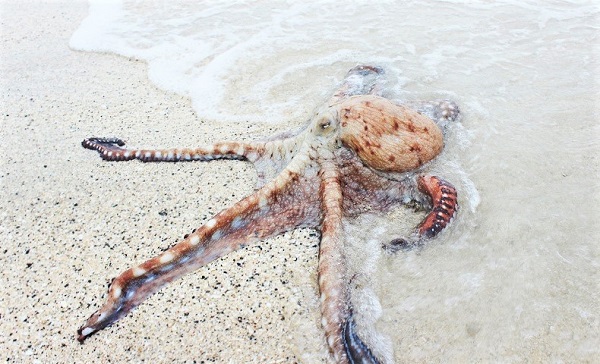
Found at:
[516, 277]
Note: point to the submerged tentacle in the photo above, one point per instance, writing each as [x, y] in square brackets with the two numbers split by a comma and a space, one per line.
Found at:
[113, 149]
[360, 80]
[356, 350]
[444, 204]
[273, 209]
[442, 112]
[337, 319]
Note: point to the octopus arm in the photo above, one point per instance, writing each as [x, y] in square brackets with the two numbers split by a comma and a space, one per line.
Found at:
[442, 112]
[113, 149]
[444, 205]
[263, 214]
[337, 320]
[360, 80]
[440, 197]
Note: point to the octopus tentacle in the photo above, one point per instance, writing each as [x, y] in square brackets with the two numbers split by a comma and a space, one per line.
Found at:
[113, 149]
[356, 350]
[360, 80]
[444, 204]
[442, 112]
[260, 215]
[337, 320]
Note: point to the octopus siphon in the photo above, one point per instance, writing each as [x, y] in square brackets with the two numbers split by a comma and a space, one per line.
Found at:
[359, 152]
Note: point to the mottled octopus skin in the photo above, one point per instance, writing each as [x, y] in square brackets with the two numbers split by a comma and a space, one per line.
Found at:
[359, 153]
[386, 136]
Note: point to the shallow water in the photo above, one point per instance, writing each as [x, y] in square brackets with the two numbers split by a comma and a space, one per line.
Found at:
[516, 277]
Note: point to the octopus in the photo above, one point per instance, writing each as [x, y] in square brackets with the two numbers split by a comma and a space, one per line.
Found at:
[360, 152]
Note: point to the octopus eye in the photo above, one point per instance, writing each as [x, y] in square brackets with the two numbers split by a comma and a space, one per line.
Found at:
[325, 124]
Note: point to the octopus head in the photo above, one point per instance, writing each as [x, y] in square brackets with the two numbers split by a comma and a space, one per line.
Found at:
[325, 129]
[387, 136]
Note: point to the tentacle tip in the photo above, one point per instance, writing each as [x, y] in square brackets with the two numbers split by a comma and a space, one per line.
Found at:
[91, 142]
[401, 244]
[365, 70]
[83, 333]
[87, 143]
[356, 350]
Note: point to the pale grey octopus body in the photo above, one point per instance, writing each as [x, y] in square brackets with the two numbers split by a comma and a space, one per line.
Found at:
[360, 152]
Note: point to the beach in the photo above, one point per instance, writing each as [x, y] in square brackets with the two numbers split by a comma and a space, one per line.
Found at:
[515, 279]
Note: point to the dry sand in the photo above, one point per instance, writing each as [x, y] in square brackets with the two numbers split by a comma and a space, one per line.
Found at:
[69, 222]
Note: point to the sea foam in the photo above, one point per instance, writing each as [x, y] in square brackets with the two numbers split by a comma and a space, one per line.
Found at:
[253, 62]
[267, 62]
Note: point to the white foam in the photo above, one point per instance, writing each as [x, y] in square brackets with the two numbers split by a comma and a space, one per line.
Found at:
[94, 33]
[239, 62]
[242, 61]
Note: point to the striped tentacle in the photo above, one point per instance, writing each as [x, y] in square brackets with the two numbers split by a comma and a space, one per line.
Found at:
[337, 319]
[444, 204]
[113, 149]
[271, 210]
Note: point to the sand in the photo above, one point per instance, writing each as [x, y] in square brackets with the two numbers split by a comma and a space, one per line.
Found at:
[69, 222]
